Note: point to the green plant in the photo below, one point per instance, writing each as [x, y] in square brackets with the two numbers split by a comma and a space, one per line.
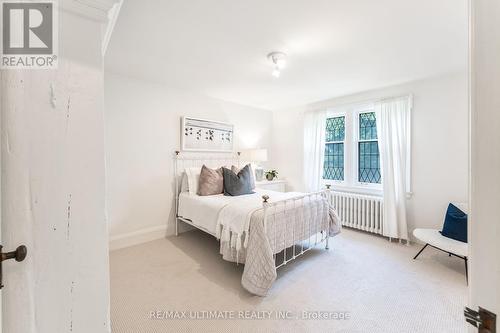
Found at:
[271, 174]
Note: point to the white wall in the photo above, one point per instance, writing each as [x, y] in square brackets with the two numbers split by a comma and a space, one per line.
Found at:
[439, 143]
[142, 132]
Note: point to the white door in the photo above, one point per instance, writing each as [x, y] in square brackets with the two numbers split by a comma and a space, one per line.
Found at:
[53, 185]
[485, 157]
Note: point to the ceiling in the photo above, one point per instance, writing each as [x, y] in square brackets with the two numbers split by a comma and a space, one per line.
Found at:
[218, 48]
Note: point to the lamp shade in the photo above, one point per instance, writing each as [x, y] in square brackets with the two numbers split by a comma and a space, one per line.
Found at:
[254, 155]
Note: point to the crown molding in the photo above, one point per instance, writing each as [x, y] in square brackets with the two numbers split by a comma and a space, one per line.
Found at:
[96, 10]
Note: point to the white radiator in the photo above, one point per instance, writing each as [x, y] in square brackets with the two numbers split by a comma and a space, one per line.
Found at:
[363, 212]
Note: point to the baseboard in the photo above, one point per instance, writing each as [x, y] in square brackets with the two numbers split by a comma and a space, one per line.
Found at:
[137, 237]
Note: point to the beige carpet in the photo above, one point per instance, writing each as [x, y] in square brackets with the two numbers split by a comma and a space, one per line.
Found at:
[373, 282]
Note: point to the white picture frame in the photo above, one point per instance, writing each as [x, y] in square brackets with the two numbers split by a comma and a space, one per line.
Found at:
[206, 135]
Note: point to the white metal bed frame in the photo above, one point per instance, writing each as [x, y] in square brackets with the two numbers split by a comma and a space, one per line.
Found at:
[271, 210]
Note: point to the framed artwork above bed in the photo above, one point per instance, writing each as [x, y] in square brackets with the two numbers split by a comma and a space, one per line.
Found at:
[206, 135]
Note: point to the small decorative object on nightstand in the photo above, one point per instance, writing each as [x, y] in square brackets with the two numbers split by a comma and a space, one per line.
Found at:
[278, 185]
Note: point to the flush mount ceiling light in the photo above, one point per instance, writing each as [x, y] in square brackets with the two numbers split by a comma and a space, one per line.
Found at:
[279, 61]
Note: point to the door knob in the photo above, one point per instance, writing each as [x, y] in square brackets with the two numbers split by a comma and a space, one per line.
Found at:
[19, 255]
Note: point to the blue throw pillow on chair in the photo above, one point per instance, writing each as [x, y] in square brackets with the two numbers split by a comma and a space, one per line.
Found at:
[455, 224]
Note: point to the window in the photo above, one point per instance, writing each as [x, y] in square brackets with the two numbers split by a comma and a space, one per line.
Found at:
[351, 153]
[368, 153]
[333, 168]
[352, 158]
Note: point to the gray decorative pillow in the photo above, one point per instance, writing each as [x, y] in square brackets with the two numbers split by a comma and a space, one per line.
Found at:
[211, 181]
[238, 184]
[236, 170]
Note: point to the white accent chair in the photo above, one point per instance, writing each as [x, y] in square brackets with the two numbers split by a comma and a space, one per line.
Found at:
[433, 238]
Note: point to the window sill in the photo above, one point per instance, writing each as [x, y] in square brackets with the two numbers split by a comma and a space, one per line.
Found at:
[356, 189]
[335, 186]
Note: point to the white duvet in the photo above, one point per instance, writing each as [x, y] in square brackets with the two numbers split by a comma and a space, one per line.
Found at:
[202, 211]
[223, 215]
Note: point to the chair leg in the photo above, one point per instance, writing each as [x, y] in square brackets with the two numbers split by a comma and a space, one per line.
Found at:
[415, 257]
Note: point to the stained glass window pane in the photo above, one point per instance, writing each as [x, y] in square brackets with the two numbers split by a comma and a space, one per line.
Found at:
[368, 153]
[335, 129]
[367, 126]
[333, 167]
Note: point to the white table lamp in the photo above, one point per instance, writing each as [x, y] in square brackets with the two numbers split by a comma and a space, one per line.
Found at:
[255, 156]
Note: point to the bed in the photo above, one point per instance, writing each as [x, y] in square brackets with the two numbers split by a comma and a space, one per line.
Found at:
[264, 230]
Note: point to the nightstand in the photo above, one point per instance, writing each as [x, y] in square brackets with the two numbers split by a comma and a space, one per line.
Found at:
[278, 185]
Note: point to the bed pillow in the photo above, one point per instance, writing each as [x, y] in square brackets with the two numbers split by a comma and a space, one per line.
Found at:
[455, 224]
[237, 184]
[211, 181]
[184, 187]
[193, 179]
[236, 170]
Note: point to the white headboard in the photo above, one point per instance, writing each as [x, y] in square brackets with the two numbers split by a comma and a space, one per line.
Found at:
[183, 160]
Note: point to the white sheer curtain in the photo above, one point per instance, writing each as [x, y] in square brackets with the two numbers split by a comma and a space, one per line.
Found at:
[314, 148]
[393, 128]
